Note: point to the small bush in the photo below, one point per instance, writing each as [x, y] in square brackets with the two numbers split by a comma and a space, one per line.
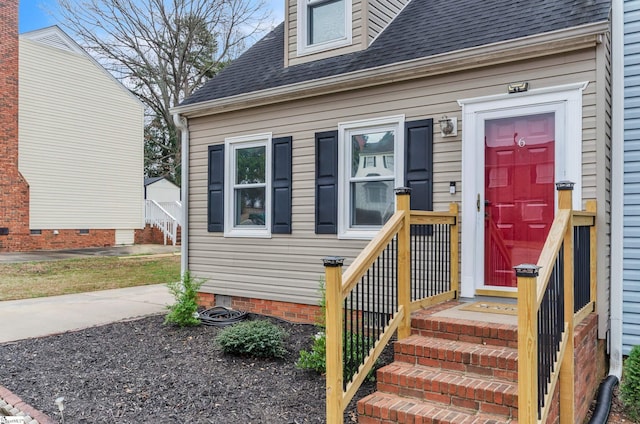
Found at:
[183, 312]
[316, 359]
[630, 386]
[253, 338]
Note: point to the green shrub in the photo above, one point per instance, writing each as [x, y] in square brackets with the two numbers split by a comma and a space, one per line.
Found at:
[316, 358]
[253, 338]
[183, 312]
[630, 386]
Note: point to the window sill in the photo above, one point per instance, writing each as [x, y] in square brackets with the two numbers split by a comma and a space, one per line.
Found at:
[322, 47]
[248, 233]
[358, 234]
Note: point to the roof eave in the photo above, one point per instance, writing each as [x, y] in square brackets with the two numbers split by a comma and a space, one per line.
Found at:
[545, 44]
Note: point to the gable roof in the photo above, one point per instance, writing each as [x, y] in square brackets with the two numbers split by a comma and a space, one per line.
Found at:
[424, 28]
[152, 180]
[54, 37]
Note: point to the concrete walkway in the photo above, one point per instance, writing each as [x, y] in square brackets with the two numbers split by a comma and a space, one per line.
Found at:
[23, 319]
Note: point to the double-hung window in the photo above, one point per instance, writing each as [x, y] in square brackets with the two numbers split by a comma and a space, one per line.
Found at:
[248, 186]
[368, 174]
[323, 24]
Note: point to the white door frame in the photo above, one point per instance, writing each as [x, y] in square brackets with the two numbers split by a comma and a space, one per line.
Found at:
[566, 102]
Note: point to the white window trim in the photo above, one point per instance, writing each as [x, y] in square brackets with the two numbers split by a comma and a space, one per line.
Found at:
[344, 145]
[304, 48]
[231, 144]
[565, 100]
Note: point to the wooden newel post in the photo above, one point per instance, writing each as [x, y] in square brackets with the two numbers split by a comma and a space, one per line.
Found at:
[333, 325]
[565, 194]
[567, 367]
[403, 203]
[527, 343]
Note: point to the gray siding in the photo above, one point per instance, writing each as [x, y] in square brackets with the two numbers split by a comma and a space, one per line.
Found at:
[289, 267]
[380, 14]
[631, 243]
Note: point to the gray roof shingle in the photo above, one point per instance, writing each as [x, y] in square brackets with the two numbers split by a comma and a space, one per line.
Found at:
[424, 28]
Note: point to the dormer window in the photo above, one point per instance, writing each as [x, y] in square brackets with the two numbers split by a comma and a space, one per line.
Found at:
[323, 25]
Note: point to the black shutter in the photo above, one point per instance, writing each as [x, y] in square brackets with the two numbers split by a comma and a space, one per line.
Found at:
[281, 186]
[418, 153]
[327, 182]
[215, 197]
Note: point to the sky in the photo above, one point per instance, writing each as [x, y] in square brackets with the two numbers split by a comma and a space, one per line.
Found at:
[36, 14]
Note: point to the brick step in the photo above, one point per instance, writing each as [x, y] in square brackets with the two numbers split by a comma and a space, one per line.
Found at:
[383, 408]
[454, 355]
[480, 394]
[426, 324]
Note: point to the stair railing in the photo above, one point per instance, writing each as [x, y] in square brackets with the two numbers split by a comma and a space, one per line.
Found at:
[553, 296]
[174, 209]
[411, 263]
[160, 218]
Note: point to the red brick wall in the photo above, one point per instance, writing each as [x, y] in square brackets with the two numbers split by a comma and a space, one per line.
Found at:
[589, 364]
[14, 190]
[295, 312]
[65, 239]
[590, 368]
[152, 235]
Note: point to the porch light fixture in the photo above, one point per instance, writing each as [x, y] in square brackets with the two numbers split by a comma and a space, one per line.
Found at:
[448, 126]
[518, 87]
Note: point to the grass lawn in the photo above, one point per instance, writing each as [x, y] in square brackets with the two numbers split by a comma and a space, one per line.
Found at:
[51, 278]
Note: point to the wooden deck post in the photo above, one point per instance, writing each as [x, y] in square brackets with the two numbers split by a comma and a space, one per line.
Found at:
[567, 368]
[404, 262]
[333, 327]
[527, 343]
[455, 260]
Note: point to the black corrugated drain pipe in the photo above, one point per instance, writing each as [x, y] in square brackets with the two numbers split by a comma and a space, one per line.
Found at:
[603, 403]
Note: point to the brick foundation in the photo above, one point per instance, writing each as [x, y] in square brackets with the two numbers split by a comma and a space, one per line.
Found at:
[70, 239]
[589, 363]
[152, 235]
[294, 312]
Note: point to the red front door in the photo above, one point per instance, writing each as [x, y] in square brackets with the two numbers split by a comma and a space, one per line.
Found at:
[519, 193]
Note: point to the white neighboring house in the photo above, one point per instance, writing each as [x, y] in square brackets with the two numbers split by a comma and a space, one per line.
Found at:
[161, 190]
[163, 208]
[81, 136]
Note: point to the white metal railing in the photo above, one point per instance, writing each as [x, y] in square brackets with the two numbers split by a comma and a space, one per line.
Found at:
[174, 208]
[155, 214]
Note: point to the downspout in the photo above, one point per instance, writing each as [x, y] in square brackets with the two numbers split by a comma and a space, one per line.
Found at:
[181, 124]
[605, 391]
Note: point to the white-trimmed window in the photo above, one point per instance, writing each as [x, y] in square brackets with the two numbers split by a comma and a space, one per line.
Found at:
[323, 25]
[248, 186]
[368, 174]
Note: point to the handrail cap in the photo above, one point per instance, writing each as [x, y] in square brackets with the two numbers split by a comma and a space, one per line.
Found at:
[527, 270]
[565, 185]
[333, 261]
[402, 190]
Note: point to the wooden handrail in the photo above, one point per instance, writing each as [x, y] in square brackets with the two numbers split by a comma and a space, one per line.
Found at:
[371, 252]
[551, 249]
[532, 285]
[338, 286]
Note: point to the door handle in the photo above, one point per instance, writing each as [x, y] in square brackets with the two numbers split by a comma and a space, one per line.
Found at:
[478, 203]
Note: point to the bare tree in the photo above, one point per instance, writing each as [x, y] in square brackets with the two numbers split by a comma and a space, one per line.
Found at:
[163, 50]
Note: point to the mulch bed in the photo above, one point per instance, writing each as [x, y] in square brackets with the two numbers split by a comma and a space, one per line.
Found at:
[142, 371]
